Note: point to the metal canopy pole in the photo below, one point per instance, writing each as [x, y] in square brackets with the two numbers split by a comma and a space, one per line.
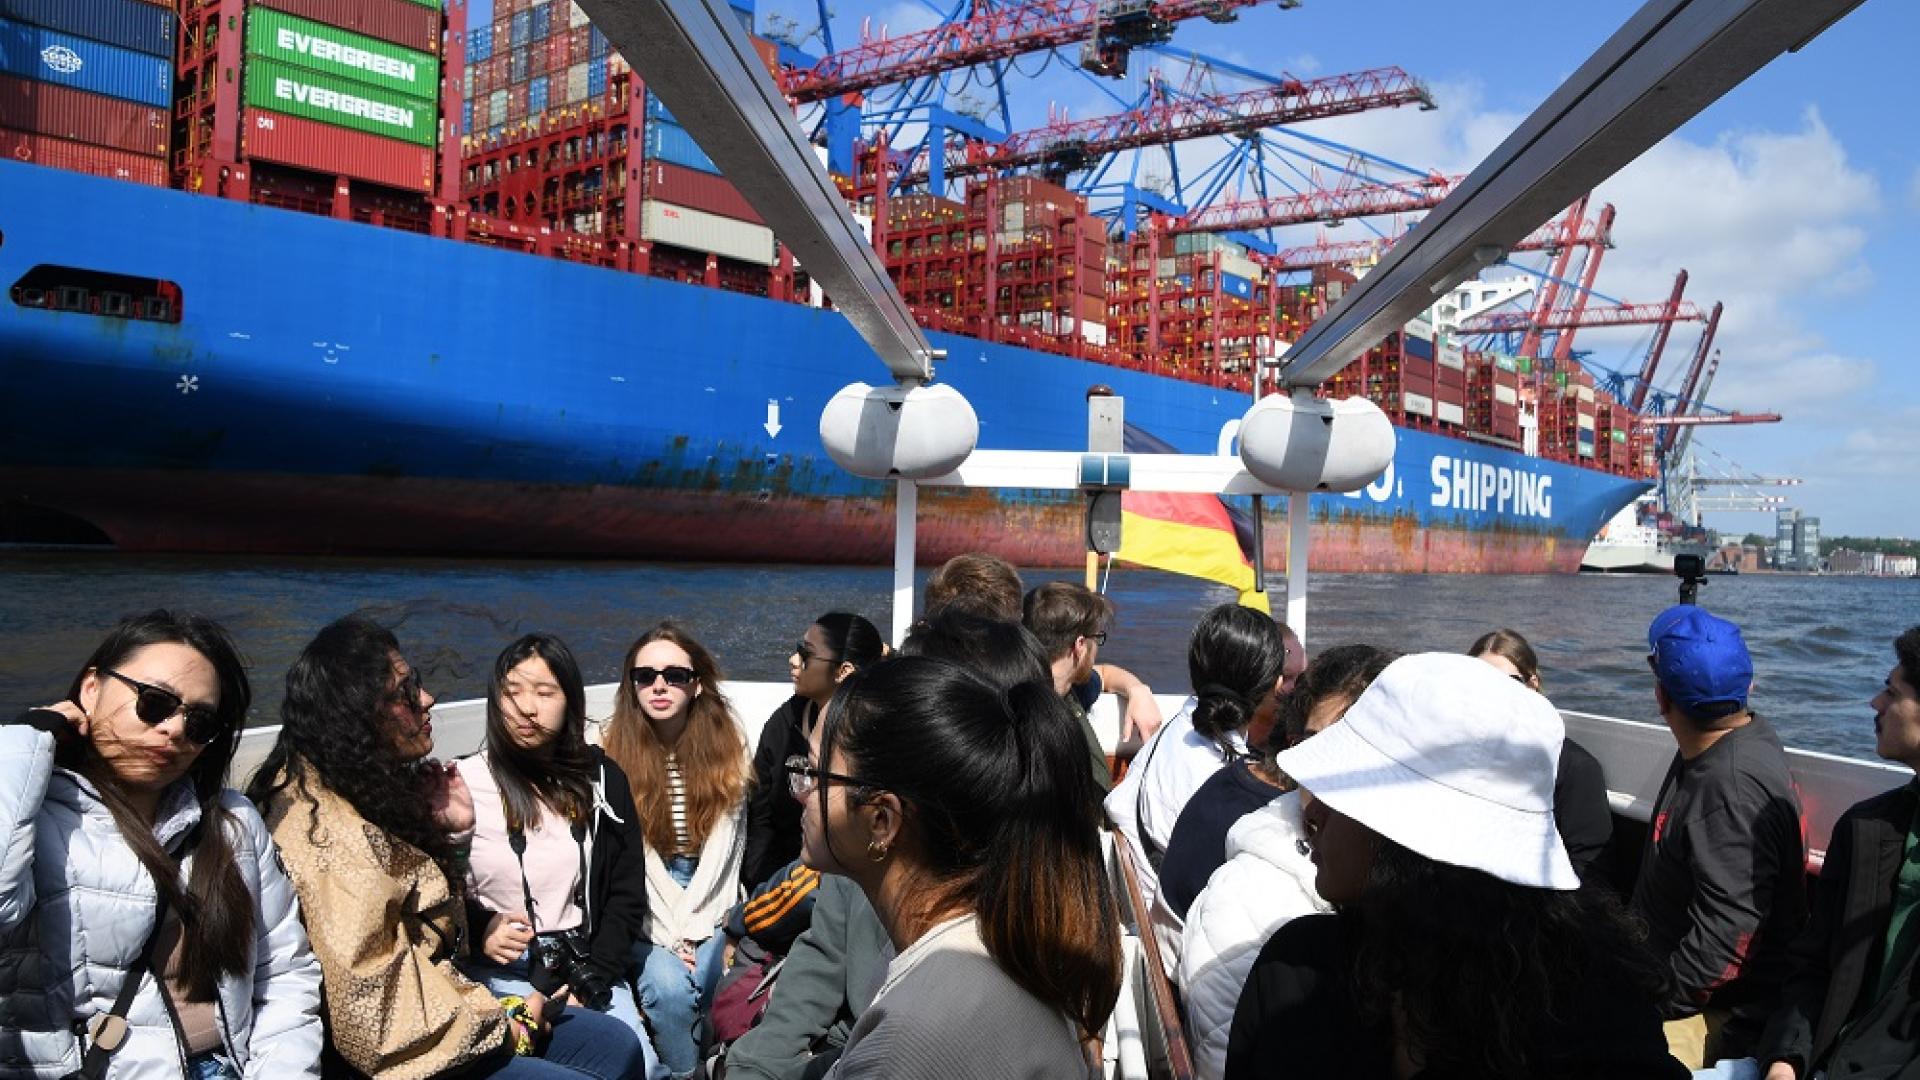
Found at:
[906, 531]
[697, 58]
[1669, 62]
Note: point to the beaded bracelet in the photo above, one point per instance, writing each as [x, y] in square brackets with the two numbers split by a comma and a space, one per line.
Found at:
[517, 1013]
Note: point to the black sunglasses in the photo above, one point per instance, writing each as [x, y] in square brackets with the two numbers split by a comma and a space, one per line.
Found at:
[802, 778]
[155, 706]
[806, 654]
[1098, 637]
[673, 673]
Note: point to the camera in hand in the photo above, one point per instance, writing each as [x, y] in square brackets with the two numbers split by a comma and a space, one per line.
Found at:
[563, 960]
[1692, 572]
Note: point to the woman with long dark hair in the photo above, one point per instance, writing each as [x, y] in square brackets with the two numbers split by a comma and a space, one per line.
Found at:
[373, 834]
[556, 878]
[675, 735]
[834, 647]
[1464, 944]
[967, 817]
[140, 899]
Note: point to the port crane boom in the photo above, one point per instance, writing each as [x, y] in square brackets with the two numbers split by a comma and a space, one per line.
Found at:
[1548, 238]
[1001, 33]
[1504, 322]
[1321, 204]
[1071, 145]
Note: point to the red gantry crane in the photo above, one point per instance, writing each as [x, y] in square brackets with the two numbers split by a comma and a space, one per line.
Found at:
[1069, 145]
[1549, 238]
[1001, 33]
[1321, 204]
[1644, 385]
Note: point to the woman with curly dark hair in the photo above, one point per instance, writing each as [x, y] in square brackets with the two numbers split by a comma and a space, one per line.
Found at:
[1463, 944]
[373, 834]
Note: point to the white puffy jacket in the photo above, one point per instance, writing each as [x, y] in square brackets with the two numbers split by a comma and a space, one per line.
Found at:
[1265, 883]
[76, 906]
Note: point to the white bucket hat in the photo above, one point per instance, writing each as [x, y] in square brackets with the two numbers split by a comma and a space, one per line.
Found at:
[1448, 757]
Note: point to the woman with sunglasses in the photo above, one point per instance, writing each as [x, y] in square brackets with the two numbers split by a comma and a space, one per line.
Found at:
[966, 816]
[556, 878]
[834, 647]
[139, 897]
[373, 834]
[675, 736]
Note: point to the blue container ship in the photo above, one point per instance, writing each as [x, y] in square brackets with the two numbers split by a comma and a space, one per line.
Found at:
[330, 387]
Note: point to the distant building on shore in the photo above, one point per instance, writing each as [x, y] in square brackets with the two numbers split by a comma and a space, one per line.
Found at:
[1872, 563]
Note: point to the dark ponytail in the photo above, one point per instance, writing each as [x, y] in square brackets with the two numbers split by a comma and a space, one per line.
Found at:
[215, 909]
[851, 639]
[1235, 657]
[1002, 799]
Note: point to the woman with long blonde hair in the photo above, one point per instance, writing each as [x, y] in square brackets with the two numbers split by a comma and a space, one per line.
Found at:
[675, 736]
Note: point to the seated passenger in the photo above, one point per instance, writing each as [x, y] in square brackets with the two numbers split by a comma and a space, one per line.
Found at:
[1463, 945]
[556, 886]
[1580, 806]
[675, 736]
[1071, 622]
[1722, 882]
[1208, 730]
[1267, 878]
[977, 583]
[372, 835]
[135, 884]
[963, 813]
[1263, 668]
[834, 647]
[1849, 1008]
[835, 966]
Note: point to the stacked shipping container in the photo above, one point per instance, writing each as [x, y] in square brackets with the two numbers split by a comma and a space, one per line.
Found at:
[565, 148]
[85, 85]
[328, 106]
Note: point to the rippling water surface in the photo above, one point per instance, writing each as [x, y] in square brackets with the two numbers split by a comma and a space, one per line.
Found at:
[1821, 645]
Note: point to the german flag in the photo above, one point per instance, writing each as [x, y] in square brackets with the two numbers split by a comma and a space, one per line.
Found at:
[1197, 535]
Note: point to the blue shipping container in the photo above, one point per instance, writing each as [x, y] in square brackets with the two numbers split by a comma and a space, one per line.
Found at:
[479, 45]
[597, 44]
[130, 24]
[1235, 285]
[671, 143]
[542, 23]
[537, 95]
[32, 52]
[1418, 347]
[596, 77]
[466, 118]
[517, 66]
[657, 109]
[518, 28]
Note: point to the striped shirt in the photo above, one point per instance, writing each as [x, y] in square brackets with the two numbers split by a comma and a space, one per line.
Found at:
[677, 793]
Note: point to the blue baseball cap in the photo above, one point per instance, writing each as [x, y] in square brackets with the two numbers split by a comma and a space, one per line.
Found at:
[1700, 660]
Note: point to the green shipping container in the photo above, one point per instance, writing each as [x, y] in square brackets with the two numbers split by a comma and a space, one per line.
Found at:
[1526, 364]
[1619, 436]
[434, 4]
[314, 46]
[341, 102]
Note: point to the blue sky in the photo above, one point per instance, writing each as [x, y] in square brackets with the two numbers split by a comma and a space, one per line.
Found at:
[1795, 199]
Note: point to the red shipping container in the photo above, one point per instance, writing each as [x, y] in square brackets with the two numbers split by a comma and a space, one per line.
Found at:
[669, 183]
[77, 116]
[402, 21]
[333, 151]
[516, 104]
[559, 53]
[80, 157]
[582, 43]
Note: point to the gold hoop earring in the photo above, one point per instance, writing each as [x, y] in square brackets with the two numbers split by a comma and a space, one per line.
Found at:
[876, 851]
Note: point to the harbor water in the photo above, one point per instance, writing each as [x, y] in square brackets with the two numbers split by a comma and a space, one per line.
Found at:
[1821, 645]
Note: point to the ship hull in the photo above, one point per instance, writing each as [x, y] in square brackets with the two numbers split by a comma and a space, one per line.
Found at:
[335, 388]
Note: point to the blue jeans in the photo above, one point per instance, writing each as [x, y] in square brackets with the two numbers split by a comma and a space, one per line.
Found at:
[584, 1043]
[675, 999]
[512, 979]
[211, 1067]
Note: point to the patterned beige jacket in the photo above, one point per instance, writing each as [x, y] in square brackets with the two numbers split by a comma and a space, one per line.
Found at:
[386, 928]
